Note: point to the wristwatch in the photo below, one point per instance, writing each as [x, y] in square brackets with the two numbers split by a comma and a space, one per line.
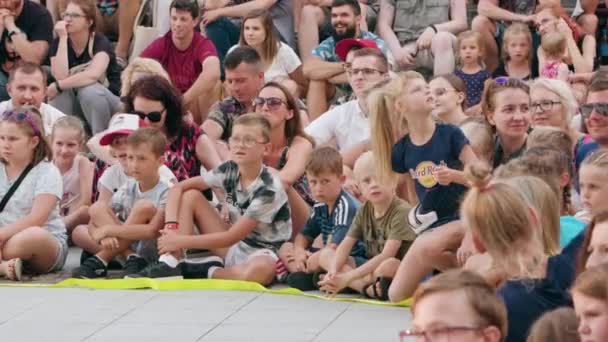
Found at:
[15, 31]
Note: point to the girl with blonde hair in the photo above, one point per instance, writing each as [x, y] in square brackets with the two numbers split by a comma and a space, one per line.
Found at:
[429, 156]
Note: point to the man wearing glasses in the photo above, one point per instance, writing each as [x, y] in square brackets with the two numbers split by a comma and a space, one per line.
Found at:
[27, 29]
[595, 111]
[348, 124]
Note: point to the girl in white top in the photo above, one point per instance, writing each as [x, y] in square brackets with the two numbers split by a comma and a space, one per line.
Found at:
[67, 140]
[281, 63]
[32, 234]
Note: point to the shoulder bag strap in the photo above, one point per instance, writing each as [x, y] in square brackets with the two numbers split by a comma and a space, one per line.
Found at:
[14, 187]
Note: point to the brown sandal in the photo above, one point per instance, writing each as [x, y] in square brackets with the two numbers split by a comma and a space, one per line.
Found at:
[14, 268]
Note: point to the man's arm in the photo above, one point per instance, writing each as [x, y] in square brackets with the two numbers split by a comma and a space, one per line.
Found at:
[30, 51]
[317, 69]
[240, 11]
[384, 25]
[206, 81]
[458, 16]
[589, 6]
[490, 9]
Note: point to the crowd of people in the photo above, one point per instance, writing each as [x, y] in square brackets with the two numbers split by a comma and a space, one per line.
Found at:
[383, 148]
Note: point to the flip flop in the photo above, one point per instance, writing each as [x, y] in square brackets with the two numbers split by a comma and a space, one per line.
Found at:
[14, 269]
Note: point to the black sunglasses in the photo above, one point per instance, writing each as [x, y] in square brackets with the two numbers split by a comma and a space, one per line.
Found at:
[601, 108]
[152, 116]
[272, 102]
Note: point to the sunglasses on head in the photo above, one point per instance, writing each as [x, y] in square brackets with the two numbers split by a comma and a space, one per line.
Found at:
[271, 102]
[600, 107]
[155, 116]
[16, 116]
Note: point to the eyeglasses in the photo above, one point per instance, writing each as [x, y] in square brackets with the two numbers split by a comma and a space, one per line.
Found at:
[271, 102]
[434, 335]
[16, 116]
[72, 15]
[155, 116]
[364, 71]
[600, 107]
[544, 105]
[246, 141]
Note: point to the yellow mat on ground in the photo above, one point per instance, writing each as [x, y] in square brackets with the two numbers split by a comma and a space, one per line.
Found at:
[192, 284]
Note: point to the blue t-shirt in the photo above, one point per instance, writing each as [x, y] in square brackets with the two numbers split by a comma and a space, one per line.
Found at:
[527, 300]
[322, 222]
[474, 85]
[421, 161]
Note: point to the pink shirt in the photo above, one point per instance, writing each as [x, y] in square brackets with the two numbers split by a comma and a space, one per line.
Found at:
[185, 66]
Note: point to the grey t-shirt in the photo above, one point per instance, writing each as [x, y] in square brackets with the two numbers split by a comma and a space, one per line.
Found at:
[44, 178]
[124, 198]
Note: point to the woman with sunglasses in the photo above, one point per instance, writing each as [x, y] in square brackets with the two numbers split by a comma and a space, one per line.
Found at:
[291, 147]
[32, 234]
[506, 106]
[160, 105]
[281, 63]
[84, 66]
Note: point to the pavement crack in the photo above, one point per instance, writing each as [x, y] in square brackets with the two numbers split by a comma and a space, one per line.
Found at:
[228, 317]
[331, 322]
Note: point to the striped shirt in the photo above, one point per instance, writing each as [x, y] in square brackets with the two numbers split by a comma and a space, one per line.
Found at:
[336, 223]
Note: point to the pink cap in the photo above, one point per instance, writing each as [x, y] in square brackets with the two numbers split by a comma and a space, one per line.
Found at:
[120, 124]
[345, 45]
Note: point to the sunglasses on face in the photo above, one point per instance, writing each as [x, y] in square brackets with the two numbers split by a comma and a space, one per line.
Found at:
[271, 102]
[155, 116]
[600, 108]
[13, 116]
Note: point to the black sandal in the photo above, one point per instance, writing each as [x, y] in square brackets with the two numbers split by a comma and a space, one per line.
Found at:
[381, 294]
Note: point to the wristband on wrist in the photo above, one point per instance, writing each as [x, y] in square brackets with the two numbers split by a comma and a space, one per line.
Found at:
[172, 224]
[59, 90]
[433, 27]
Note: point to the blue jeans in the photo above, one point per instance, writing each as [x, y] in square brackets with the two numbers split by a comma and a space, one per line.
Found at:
[224, 34]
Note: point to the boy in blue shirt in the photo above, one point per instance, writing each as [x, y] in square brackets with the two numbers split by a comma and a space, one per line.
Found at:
[330, 219]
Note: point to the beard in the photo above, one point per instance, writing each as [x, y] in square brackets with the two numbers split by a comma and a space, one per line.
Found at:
[350, 32]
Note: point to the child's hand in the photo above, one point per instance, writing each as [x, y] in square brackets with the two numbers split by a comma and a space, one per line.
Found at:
[169, 243]
[444, 175]
[333, 284]
[352, 187]
[300, 257]
[466, 250]
[425, 39]
[98, 234]
[563, 28]
[110, 243]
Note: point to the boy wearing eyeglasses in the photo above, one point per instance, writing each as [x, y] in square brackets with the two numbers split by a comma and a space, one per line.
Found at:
[246, 232]
[330, 219]
[128, 225]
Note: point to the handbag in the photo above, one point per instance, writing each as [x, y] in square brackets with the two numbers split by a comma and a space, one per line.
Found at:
[81, 67]
[143, 35]
[14, 187]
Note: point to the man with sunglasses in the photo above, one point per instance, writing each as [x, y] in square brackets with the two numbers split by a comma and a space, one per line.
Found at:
[29, 28]
[348, 124]
[595, 111]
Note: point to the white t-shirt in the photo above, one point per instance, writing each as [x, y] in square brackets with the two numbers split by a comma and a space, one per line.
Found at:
[43, 178]
[49, 113]
[114, 177]
[124, 199]
[285, 62]
[346, 123]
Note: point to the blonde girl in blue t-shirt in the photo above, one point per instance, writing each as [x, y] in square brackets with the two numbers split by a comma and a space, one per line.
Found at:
[32, 234]
[429, 156]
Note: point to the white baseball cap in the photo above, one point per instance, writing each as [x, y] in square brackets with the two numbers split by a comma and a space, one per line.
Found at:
[120, 124]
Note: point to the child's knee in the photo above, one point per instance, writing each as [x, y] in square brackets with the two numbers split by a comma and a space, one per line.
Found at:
[97, 208]
[191, 197]
[388, 268]
[286, 249]
[144, 208]
[261, 270]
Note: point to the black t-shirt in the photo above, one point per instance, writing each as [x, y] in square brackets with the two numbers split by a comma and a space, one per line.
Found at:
[502, 72]
[100, 44]
[35, 21]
